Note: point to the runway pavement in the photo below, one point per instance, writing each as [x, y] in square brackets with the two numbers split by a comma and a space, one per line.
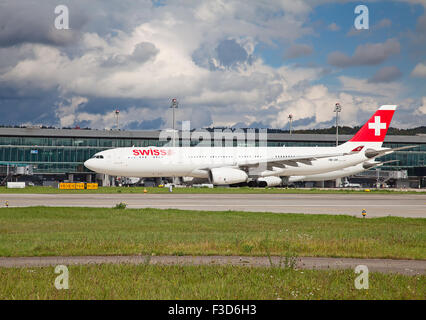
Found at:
[376, 205]
[408, 267]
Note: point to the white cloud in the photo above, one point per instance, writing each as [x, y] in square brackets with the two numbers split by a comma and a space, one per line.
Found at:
[386, 74]
[106, 66]
[390, 90]
[366, 54]
[384, 23]
[298, 50]
[67, 113]
[317, 102]
[419, 70]
[171, 71]
[422, 109]
[333, 27]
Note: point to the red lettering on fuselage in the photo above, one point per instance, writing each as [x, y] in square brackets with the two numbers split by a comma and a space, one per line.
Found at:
[145, 152]
[149, 152]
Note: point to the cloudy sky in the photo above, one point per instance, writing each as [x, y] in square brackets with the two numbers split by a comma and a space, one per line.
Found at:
[228, 62]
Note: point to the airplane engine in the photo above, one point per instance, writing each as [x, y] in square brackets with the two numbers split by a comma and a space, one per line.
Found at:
[223, 176]
[271, 181]
[368, 165]
[371, 153]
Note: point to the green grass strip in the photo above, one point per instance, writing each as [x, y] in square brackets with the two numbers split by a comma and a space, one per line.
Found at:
[204, 282]
[71, 231]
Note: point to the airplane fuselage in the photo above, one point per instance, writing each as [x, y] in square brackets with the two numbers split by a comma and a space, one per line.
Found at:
[196, 161]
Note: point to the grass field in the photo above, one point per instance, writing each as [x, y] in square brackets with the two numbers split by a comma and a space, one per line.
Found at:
[203, 282]
[205, 190]
[44, 231]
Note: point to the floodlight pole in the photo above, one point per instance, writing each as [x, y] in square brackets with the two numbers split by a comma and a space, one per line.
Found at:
[174, 106]
[117, 113]
[337, 109]
[290, 119]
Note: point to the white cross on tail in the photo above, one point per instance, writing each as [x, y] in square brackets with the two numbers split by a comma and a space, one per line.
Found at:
[377, 125]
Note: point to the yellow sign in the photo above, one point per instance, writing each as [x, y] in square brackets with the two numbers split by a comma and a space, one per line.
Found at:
[67, 186]
[77, 185]
[63, 185]
[91, 186]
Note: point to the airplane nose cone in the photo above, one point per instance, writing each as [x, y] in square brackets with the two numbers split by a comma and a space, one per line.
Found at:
[89, 164]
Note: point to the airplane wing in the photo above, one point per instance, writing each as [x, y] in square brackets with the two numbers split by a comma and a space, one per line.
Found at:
[287, 161]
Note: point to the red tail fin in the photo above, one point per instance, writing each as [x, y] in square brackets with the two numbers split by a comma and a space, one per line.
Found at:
[375, 129]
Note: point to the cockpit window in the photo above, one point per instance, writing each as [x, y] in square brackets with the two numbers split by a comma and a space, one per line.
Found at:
[98, 156]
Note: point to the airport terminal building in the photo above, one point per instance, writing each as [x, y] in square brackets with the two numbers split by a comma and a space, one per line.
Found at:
[43, 155]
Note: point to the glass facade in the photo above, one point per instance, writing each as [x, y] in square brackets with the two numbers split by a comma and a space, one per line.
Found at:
[77, 142]
[60, 155]
[67, 154]
[413, 160]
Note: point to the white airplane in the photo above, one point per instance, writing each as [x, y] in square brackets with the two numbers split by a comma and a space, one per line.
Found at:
[230, 165]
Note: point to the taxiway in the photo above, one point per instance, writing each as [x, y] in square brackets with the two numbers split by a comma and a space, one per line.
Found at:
[376, 205]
